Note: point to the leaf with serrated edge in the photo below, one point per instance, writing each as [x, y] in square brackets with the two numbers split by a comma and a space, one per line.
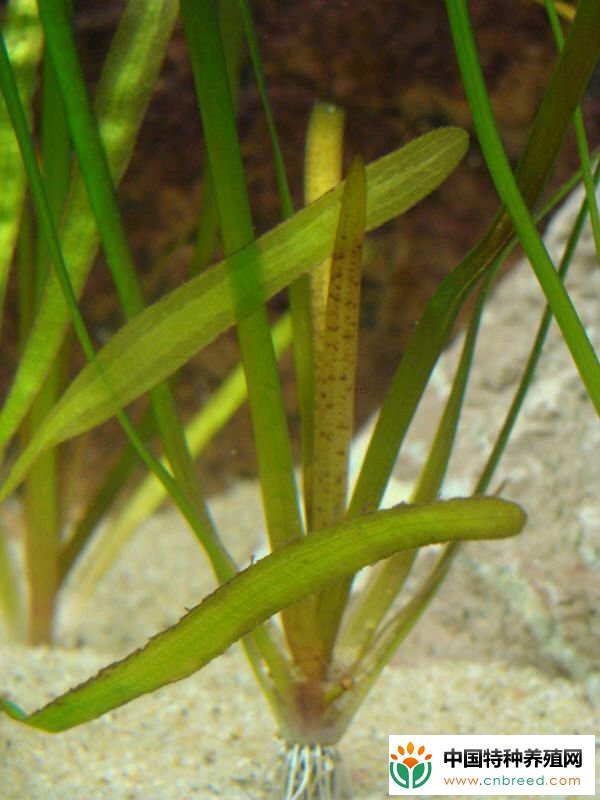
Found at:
[284, 577]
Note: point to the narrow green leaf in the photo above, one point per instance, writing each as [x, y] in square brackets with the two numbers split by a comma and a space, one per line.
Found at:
[284, 577]
[580, 137]
[323, 162]
[23, 37]
[527, 377]
[265, 395]
[335, 358]
[323, 159]
[568, 82]
[433, 473]
[335, 376]
[127, 79]
[287, 207]
[43, 503]
[91, 155]
[164, 336]
[23, 40]
[55, 160]
[192, 508]
[95, 169]
[573, 332]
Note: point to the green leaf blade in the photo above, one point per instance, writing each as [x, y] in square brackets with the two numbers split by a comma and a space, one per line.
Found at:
[120, 103]
[335, 359]
[23, 39]
[284, 577]
[513, 191]
[335, 372]
[163, 337]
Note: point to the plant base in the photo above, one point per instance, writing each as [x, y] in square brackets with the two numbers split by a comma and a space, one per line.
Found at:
[310, 772]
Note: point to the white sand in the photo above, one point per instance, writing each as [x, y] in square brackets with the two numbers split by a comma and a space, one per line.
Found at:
[212, 736]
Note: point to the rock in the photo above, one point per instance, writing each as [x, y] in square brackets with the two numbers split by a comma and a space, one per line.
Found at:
[533, 600]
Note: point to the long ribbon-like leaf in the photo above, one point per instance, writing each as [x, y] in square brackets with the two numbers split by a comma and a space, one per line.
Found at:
[335, 372]
[572, 329]
[323, 162]
[163, 337]
[284, 577]
[23, 37]
[335, 359]
[569, 79]
[127, 78]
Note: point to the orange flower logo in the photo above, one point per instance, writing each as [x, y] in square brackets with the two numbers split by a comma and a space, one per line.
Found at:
[413, 770]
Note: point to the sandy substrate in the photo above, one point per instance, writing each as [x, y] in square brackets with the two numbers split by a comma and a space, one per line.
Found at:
[212, 735]
[510, 645]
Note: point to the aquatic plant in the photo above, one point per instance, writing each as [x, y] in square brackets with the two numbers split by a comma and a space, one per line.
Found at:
[318, 663]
